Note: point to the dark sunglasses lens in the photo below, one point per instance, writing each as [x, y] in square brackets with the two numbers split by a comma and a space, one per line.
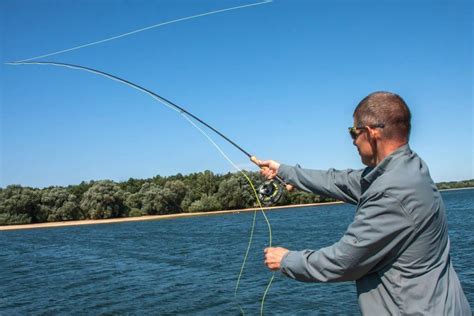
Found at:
[353, 134]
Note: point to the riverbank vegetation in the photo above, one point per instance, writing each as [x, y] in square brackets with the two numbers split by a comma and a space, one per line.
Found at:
[196, 192]
[455, 184]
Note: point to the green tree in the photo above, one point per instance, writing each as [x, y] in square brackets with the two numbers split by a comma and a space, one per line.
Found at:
[79, 189]
[235, 193]
[60, 205]
[207, 203]
[132, 185]
[155, 199]
[300, 197]
[20, 205]
[134, 200]
[104, 199]
[189, 198]
[152, 199]
[177, 192]
[207, 182]
[198, 184]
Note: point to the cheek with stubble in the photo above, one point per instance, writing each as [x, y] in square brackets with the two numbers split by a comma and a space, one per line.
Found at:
[356, 143]
[363, 151]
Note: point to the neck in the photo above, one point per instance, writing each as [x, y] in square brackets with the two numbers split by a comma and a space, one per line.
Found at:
[386, 148]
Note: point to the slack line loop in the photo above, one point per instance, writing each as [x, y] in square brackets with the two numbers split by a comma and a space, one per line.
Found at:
[145, 29]
[189, 116]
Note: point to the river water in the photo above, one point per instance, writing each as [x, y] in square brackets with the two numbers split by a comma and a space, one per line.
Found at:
[190, 265]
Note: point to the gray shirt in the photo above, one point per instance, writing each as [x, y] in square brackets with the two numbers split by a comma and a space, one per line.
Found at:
[396, 248]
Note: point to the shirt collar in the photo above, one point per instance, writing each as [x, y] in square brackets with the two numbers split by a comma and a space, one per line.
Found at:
[370, 174]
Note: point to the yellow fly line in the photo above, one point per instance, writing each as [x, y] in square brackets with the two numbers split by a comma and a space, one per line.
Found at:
[250, 243]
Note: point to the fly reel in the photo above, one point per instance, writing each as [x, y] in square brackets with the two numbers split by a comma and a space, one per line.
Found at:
[269, 192]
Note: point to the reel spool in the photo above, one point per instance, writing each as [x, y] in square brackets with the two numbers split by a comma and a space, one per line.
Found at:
[269, 192]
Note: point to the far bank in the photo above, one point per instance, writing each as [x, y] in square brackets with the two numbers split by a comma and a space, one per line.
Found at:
[152, 217]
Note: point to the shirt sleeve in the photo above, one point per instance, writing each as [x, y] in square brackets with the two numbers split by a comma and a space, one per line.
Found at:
[343, 185]
[381, 227]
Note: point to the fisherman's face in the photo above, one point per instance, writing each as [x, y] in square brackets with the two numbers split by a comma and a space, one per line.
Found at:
[364, 145]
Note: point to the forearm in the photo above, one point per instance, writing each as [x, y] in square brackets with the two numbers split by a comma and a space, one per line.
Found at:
[362, 247]
[342, 185]
[329, 264]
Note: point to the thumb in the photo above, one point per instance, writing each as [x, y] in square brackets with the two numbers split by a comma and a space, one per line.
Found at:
[260, 163]
[256, 161]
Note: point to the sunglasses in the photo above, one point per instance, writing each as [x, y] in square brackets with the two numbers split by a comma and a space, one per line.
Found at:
[353, 130]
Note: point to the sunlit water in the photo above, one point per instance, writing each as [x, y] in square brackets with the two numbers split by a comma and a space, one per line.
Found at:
[190, 266]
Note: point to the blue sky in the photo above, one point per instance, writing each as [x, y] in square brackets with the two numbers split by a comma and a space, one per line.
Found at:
[280, 79]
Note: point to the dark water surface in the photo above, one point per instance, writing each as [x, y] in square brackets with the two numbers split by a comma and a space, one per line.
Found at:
[190, 266]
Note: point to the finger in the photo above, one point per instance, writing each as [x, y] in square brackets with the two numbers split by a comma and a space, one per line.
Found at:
[264, 163]
[273, 266]
[269, 265]
[267, 173]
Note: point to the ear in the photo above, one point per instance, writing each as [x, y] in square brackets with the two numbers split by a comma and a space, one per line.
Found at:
[374, 133]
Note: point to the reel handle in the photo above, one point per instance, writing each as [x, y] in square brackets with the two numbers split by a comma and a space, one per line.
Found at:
[287, 186]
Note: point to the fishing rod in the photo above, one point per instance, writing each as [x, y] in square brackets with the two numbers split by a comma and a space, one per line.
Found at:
[269, 192]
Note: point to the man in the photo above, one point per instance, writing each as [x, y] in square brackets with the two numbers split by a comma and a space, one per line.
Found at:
[397, 247]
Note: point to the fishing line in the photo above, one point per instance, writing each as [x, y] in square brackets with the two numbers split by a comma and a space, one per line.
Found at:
[187, 115]
[252, 229]
[145, 29]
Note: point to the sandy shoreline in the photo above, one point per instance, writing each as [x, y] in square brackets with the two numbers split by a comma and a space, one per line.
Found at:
[162, 217]
[150, 217]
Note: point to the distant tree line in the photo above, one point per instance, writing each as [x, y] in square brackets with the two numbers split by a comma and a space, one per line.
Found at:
[455, 184]
[196, 192]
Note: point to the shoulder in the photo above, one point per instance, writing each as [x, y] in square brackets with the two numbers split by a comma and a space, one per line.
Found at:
[409, 182]
[408, 174]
